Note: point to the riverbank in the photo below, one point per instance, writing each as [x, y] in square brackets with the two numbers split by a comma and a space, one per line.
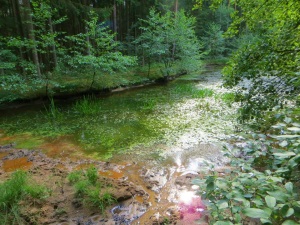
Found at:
[66, 85]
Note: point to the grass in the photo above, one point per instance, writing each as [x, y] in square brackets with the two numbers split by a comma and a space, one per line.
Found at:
[87, 106]
[90, 190]
[52, 111]
[203, 93]
[228, 98]
[18, 187]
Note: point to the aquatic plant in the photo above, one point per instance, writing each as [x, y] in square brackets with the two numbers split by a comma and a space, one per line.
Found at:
[52, 111]
[87, 106]
[228, 98]
[202, 93]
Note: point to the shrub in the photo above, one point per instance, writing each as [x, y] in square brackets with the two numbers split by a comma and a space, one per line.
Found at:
[264, 183]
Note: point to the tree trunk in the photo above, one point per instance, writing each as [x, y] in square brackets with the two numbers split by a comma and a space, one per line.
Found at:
[176, 7]
[19, 28]
[87, 38]
[115, 19]
[54, 55]
[31, 35]
[174, 43]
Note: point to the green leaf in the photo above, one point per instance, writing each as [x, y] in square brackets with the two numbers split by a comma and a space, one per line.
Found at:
[222, 204]
[210, 186]
[265, 221]
[223, 223]
[257, 202]
[290, 222]
[286, 136]
[287, 120]
[248, 195]
[289, 187]
[280, 196]
[284, 210]
[256, 213]
[283, 143]
[294, 129]
[289, 212]
[271, 201]
[284, 154]
[293, 162]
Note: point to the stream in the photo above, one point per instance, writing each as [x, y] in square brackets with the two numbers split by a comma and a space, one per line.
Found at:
[160, 136]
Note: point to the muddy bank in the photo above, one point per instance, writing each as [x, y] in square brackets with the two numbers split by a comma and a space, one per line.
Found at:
[145, 195]
[62, 207]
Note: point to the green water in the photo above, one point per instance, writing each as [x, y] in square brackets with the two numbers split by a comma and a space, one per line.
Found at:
[104, 126]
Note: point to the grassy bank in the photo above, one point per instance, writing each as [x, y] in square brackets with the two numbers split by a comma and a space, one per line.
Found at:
[66, 83]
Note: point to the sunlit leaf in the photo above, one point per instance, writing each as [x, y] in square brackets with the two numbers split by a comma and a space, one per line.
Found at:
[256, 213]
[290, 222]
[289, 187]
[271, 201]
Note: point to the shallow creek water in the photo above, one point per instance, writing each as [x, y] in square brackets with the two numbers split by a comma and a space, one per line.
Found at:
[157, 133]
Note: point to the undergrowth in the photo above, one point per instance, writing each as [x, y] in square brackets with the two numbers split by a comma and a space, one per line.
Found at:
[89, 190]
[18, 187]
[263, 181]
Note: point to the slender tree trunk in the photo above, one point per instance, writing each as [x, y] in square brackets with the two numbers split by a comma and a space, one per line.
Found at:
[53, 47]
[87, 38]
[88, 49]
[31, 36]
[176, 7]
[115, 19]
[19, 28]
[174, 43]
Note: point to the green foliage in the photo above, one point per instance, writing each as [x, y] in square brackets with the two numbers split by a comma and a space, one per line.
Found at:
[169, 38]
[90, 190]
[96, 51]
[100, 200]
[189, 90]
[263, 182]
[75, 176]
[270, 61]
[92, 175]
[87, 106]
[53, 112]
[214, 42]
[228, 98]
[11, 190]
[18, 187]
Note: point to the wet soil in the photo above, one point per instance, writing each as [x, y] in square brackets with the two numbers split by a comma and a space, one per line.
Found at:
[145, 194]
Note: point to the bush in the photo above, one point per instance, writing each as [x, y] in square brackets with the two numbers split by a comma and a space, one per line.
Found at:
[264, 181]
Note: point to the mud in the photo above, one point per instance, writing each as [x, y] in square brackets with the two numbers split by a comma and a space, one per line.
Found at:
[146, 194]
[62, 207]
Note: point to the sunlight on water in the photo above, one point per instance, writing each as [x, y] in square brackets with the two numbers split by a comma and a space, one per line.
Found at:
[187, 197]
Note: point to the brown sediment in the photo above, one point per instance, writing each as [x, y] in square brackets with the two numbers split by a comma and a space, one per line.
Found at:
[6, 139]
[15, 164]
[111, 174]
[3, 154]
[61, 148]
[83, 166]
[139, 198]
